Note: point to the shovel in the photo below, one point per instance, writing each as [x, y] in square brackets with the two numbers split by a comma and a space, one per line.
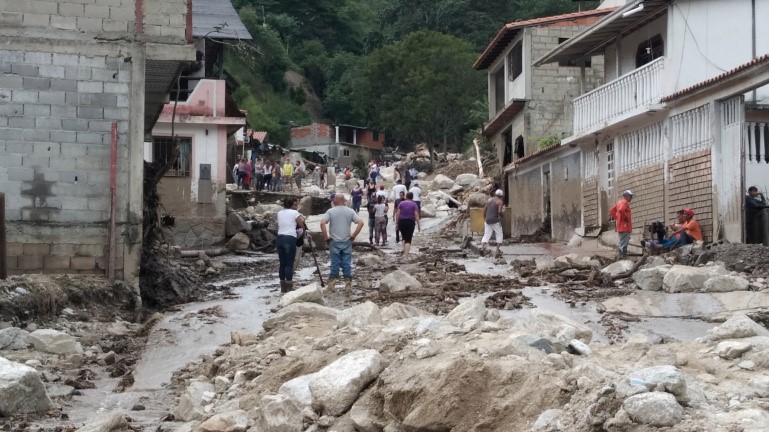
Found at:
[315, 258]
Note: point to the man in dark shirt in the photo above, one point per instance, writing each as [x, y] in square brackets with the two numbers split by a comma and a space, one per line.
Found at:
[754, 203]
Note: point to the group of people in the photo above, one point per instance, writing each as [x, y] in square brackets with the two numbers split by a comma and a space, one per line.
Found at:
[270, 175]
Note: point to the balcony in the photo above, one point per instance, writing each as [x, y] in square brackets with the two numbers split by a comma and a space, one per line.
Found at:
[620, 99]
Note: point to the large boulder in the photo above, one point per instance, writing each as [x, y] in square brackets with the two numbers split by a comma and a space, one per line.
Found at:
[470, 309]
[549, 421]
[664, 378]
[336, 387]
[113, 422]
[21, 389]
[360, 315]
[291, 313]
[231, 421]
[238, 242]
[650, 279]
[737, 327]
[192, 402]
[477, 199]
[726, 283]
[466, 179]
[442, 182]
[682, 278]
[397, 311]
[267, 208]
[428, 211]
[730, 350]
[398, 281]
[54, 342]
[305, 206]
[618, 267]
[13, 338]
[235, 224]
[553, 325]
[280, 414]
[298, 390]
[655, 409]
[311, 293]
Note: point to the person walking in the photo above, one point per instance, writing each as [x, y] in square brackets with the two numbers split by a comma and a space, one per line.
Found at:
[277, 177]
[416, 191]
[407, 216]
[382, 192]
[370, 190]
[335, 228]
[407, 178]
[289, 219]
[492, 220]
[298, 174]
[247, 179]
[380, 221]
[259, 174]
[397, 189]
[370, 203]
[398, 200]
[357, 197]
[622, 215]
[288, 174]
[268, 175]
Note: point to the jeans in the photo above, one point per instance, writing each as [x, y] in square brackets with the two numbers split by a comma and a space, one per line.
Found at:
[279, 184]
[380, 229]
[356, 205]
[286, 246]
[371, 222]
[624, 240]
[259, 181]
[341, 256]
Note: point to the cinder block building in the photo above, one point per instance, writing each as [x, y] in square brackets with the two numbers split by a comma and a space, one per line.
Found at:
[530, 111]
[341, 143]
[79, 79]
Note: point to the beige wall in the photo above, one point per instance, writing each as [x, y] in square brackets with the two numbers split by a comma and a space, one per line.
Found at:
[690, 185]
[525, 202]
[565, 196]
[649, 201]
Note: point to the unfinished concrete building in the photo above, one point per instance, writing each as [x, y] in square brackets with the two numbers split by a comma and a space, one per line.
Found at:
[79, 79]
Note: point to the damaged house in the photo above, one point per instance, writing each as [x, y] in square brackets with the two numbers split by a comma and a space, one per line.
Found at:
[81, 86]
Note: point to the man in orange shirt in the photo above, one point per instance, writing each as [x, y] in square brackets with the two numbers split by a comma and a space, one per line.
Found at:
[622, 215]
[691, 227]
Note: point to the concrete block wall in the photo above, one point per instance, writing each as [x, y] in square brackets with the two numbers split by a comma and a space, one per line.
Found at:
[314, 134]
[162, 18]
[565, 196]
[86, 16]
[690, 185]
[554, 87]
[590, 203]
[525, 202]
[648, 185]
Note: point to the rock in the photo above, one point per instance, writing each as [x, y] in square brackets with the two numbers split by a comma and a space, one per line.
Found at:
[54, 342]
[552, 324]
[13, 338]
[664, 378]
[363, 421]
[335, 387]
[548, 421]
[726, 283]
[243, 338]
[193, 400]
[428, 211]
[686, 279]
[267, 208]
[579, 347]
[289, 314]
[737, 327]
[360, 315]
[58, 390]
[305, 206]
[618, 267]
[477, 199]
[298, 390]
[138, 407]
[221, 384]
[21, 389]
[113, 422]
[232, 421]
[730, 350]
[426, 348]
[280, 414]
[654, 409]
[240, 241]
[760, 384]
[398, 281]
[397, 311]
[544, 263]
[442, 182]
[311, 293]
[466, 179]
[574, 241]
[235, 224]
[369, 260]
[470, 309]
[650, 279]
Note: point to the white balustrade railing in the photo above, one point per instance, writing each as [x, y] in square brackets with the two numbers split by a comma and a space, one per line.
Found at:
[614, 99]
[756, 136]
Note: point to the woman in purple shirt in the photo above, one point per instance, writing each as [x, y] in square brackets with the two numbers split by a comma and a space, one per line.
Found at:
[406, 219]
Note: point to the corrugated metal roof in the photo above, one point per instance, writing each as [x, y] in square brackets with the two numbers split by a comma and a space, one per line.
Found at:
[507, 33]
[210, 16]
[594, 39]
[757, 62]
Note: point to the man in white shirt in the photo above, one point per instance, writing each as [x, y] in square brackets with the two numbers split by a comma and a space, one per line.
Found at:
[417, 192]
[335, 228]
[397, 189]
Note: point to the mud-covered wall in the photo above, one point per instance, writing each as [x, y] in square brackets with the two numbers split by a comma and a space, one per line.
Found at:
[648, 185]
[566, 196]
[525, 202]
[590, 203]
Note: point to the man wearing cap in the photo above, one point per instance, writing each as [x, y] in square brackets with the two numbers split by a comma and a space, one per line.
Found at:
[492, 220]
[622, 216]
[688, 231]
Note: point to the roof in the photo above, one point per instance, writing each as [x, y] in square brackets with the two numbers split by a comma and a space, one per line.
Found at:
[594, 39]
[217, 19]
[509, 30]
[756, 63]
[537, 154]
[503, 117]
[260, 136]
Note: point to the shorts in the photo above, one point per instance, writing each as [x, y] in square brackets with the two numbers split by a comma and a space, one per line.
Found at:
[407, 226]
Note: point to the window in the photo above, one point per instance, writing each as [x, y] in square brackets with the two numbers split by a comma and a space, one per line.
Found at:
[162, 148]
[649, 50]
[515, 61]
[499, 90]
[609, 165]
[573, 63]
[375, 135]
[508, 156]
[345, 152]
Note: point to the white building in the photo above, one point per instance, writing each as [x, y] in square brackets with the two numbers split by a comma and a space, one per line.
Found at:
[682, 118]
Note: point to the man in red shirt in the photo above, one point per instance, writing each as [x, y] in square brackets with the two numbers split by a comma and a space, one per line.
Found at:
[622, 215]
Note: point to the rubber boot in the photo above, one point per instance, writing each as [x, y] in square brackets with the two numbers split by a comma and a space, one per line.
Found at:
[283, 286]
[348, 285]
[331, 287]
[289, 286]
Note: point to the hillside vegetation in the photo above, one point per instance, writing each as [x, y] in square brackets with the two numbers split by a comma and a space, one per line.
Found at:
[403, 66]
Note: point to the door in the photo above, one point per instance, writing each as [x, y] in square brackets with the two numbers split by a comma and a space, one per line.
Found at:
[729, 187]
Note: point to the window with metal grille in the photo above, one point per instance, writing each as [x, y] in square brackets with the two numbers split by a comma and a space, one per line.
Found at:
[609, 165]
[162, 150]
[345, 152]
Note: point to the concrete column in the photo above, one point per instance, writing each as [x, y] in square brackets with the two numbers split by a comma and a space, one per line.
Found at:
[355, 136]
[133, 219]
[337, 134]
